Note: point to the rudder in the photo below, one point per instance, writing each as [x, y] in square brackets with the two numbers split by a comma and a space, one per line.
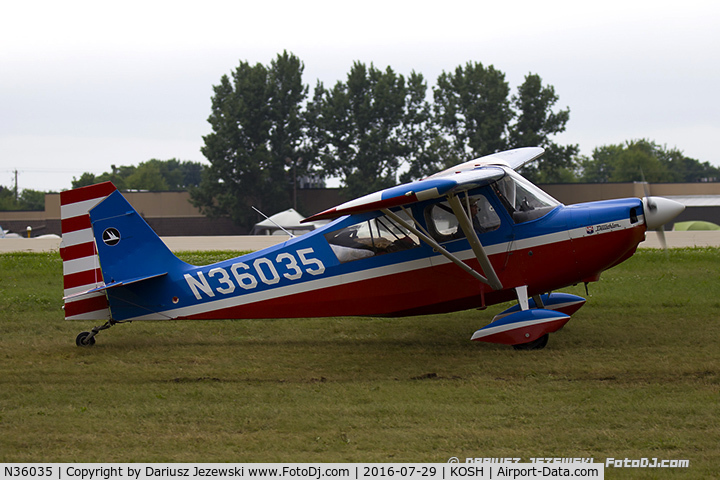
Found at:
[81, 265]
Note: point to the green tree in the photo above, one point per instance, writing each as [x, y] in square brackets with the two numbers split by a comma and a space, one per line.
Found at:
[153, 175]
[256, 127]
[32, 199]
[599, 167]
[472, 109]
[366, 127]
[117, 177]
[687, 170]
[7, 198]
[428, 148]
[191, 174]
[27, 199]
[147, 176]
[640, 160]
[535, 123]
[365, 130]
[630, 161]
[85, 180]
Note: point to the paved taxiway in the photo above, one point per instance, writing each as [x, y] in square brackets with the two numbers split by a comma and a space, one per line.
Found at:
[258, 242]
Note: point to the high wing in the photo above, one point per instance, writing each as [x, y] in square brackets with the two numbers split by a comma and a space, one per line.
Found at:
[419, 191]
[514, 159]
[462, 177]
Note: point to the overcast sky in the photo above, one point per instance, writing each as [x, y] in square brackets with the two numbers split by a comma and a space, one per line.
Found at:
[84, 85]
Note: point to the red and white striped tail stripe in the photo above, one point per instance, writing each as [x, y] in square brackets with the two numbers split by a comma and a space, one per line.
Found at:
[81, 266]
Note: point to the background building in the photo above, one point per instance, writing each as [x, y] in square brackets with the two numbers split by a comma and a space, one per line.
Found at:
[172, 214]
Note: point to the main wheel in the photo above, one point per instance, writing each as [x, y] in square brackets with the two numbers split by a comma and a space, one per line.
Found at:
[82, 340]
[534, 345]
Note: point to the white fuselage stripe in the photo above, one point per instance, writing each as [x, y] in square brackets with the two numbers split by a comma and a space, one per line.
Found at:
[272, 293]
[292, 289]
[102, 314]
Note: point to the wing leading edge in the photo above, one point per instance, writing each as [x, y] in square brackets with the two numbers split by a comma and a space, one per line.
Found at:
[514, 159]
[419, 191]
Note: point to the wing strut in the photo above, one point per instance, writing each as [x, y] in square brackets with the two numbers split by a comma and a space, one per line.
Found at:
[427, 239]
[471, 235]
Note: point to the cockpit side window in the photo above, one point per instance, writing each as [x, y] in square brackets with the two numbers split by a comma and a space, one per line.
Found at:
[523, 200]
[377, 236]
[443, 226]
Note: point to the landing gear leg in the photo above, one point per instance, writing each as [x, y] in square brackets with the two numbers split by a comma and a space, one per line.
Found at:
[87, 339]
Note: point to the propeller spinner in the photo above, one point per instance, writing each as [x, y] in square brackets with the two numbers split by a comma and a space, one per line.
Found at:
[659, 211]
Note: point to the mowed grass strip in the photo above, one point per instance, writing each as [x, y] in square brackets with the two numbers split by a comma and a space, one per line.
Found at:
[635, 374]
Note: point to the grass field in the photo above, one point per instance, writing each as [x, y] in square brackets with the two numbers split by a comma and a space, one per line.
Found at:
[635, 374]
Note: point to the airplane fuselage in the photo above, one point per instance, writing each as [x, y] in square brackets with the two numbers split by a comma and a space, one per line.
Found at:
[468, 237]
[304, 277]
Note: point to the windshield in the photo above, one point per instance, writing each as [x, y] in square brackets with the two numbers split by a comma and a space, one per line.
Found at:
[523, 200]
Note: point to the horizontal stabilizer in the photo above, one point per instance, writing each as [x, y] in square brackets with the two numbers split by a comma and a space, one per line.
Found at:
[522, 327]
[102, 288]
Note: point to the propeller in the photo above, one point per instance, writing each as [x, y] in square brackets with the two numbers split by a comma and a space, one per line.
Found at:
[658, 211]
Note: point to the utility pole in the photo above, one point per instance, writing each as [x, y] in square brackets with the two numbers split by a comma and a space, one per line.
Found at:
[16, 186]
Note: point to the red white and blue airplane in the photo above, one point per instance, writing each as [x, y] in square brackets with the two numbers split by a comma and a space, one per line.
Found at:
[471, 236]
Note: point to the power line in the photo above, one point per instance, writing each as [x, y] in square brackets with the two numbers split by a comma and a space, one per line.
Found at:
[52, 170]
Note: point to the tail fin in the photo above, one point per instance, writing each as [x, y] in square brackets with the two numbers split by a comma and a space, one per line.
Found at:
[129, 250]
[81, 266]
[135, 262]
[107, 246]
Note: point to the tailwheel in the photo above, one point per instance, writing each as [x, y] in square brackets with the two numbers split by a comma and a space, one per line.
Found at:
[85, 339]
[538, 344]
